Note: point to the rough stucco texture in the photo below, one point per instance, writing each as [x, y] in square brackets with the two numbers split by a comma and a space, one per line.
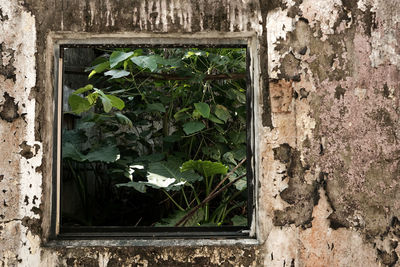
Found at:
[328, 128]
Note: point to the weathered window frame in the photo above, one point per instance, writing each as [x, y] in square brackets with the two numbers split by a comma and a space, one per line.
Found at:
[249, 41]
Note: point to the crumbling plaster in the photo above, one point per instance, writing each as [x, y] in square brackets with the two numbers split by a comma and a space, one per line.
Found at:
[328, 129]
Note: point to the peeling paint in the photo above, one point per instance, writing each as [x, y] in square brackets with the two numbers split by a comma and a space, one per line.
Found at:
[328, 129]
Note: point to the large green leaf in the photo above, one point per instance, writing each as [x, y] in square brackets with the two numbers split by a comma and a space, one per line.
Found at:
[115, 74]
[205, 168]
[222, 113]
[116, 102]
[148, 62]
[141, 187]
[215, 119]
[109, 153]
[106, 103]
[203, 109]
[155, 107]
[71, 152]
[83, 89]
[193, 127]
[78, 104]
[117, 57]
[167, 175]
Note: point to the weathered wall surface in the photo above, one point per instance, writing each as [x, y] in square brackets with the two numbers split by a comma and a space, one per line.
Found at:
[329, 128]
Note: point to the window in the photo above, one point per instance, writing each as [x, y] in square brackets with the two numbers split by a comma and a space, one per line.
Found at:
[154, 141]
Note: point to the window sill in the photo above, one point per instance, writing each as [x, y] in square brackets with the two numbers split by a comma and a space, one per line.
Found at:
[152, 242]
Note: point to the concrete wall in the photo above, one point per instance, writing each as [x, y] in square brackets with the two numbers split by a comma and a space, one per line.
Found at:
[329, 128]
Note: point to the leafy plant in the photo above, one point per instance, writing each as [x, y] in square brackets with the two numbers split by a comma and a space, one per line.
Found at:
[167, 123]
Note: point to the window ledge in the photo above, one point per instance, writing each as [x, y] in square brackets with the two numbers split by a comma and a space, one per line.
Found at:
[151, 242]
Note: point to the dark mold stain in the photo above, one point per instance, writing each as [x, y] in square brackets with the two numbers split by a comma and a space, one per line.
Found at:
[83, 261]
[303, 93]
[335, 222]
[7, 70]
[2, 16]
[26, 150]
[395, 225]
[9, 110]
[136, 256]
[301, 195]
[388, 259]
[369, 19]
[290, 68]
[33, 224]
[339, 92]
[386, 92]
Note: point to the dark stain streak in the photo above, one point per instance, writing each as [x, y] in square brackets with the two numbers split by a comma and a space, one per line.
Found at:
[9, 110]
[2, 16]
[301, 195]
[7, 70]
[339, 92]
[26, 150]
[387, 258]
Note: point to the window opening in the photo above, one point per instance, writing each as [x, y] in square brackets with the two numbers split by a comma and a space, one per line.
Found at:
[154, 141]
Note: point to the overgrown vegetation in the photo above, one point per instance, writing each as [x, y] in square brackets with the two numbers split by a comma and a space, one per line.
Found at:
[160, 139]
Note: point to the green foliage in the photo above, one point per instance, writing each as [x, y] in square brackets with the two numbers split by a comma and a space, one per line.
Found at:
[108, 153]
[155, 108]
[193, 127]
[205, 168]
[203, 109]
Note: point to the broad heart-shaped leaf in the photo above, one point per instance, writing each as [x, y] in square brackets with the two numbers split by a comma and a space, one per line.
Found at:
[116, 102]
[83, 89]
[215, 119]
[155, 107]
[167, 175]
[158, 181]
[203, 109]
[205, 168]
[222, 113]
[193, 127]
[78, 104]
[138, 186]
[106, 103]
[69, 151]
[148, 62]
[109, 153]
[115, 74]
[117, 57]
